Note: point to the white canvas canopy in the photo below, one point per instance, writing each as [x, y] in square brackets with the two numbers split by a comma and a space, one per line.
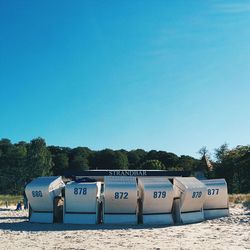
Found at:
[190, 195]
[120, 200]
[81, 202]
[40, 194]
[156, 194]
[216, 202]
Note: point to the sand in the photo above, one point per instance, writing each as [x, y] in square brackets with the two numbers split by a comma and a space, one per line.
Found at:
[225, 233]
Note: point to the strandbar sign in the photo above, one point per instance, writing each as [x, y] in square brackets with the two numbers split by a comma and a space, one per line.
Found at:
[127, 173]
[133, 173]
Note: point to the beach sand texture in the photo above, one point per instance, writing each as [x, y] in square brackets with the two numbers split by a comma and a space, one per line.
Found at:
[224, 233]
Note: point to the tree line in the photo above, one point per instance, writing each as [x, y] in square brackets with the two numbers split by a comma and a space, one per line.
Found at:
[21, 162]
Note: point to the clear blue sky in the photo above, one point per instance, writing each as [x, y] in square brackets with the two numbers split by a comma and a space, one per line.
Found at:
[164, 75]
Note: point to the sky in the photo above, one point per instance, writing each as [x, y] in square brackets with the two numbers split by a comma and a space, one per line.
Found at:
[162, 75]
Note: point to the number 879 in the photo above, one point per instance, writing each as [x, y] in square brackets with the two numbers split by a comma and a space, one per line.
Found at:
[159, 194]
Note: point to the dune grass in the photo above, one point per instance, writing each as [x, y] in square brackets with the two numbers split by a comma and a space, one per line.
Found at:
[240, 198]
[10, 199]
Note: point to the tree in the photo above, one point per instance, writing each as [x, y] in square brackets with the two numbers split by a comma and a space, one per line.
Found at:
[79, 159]
[120, 161]
[5, 145]
[17, 164]
[205, 166]
[135, 157]
[169, 160]
[60, 163]
[21, 162]
[187, 163]
[39, 160]
[152, 165]
[203, 151]
[60, 158]
[221, 152]
[244, 171]
[233, 165]
[13, 163]
[109, 159]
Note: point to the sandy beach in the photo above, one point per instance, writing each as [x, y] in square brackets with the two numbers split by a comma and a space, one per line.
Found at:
[225, 233]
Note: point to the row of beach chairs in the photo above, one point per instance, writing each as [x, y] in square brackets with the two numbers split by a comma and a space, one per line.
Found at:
[127, 200]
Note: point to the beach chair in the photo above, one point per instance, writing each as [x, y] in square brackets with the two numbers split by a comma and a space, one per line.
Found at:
[216, 202]
[189, 196]
[156, 198]
[82, 201]
[120, 200]
[41, 193]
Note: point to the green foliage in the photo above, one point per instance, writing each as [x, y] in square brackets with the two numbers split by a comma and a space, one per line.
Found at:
[60, 158]
[203, 151]
[61, 163]
[21, 162]
[234, 166]
[39, 160]
[221, 152]
[135, 157]
[152, 165]
[109, 159]
[79, 159]
[168, 160]
[187, 163]
[12, 166]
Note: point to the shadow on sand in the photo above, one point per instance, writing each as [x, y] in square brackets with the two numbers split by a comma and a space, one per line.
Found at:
[39, 227]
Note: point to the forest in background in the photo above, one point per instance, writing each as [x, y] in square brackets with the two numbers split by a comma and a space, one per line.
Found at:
[23, 161]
